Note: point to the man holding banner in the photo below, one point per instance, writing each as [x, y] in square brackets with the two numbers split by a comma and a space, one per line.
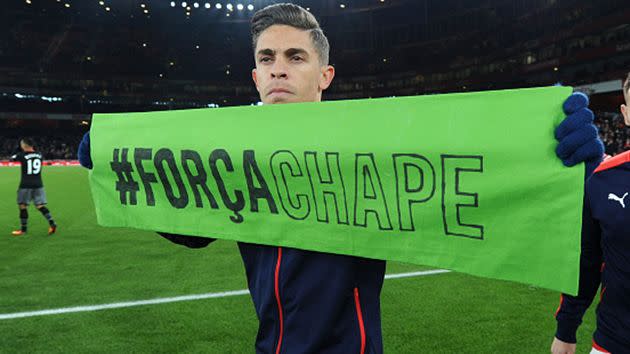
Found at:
[605, 258]
[306, 301]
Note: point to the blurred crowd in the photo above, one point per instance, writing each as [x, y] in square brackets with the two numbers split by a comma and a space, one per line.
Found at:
[52, 147]
[613, 131]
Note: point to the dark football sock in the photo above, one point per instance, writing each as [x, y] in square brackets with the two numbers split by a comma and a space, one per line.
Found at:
[47, 215]
[23, 218]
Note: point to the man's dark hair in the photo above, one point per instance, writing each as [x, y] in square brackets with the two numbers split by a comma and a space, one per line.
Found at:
[28, 141]
[294, 16]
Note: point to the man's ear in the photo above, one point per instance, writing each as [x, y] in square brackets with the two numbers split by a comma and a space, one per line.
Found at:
[255, 78]
[626, 114]
[326, 77]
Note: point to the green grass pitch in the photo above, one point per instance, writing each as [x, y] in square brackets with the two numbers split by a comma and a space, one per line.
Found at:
[84, 264]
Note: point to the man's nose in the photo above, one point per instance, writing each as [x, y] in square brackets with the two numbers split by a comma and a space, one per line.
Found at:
[279, 70]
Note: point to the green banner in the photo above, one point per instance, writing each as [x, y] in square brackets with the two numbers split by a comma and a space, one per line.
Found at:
[468, 182]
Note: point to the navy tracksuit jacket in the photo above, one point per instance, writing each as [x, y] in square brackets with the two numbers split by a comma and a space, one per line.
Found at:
[605, 260]
[310, 302]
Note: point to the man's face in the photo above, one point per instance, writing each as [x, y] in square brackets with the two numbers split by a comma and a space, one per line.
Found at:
[23, 146]
[288, 69]
[626, 107]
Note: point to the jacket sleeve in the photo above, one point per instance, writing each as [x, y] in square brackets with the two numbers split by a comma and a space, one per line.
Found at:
[572, 308]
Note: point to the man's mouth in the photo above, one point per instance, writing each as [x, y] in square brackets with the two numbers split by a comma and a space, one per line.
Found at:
[278, 91]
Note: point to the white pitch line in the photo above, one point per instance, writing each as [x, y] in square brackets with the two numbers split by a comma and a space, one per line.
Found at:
[165, 300]
[416, 274]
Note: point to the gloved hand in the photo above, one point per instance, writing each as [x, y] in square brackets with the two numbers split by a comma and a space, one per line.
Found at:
[84, 152]
[577, 135]
[188, 241]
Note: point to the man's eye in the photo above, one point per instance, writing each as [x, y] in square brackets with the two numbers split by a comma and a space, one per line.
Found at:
[296, 58]
[265, 60]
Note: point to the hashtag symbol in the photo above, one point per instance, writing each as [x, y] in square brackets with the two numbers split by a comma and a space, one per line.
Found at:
[125, 183]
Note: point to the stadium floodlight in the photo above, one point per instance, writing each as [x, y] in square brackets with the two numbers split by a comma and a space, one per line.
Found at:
[107, 9]
[184, 4]
[101, 2]
[143, 6]
[173, 4]
[66, 5]
[196, 5]
[250, 7]
[218, 6]
[230, 7]
[51, 99]
[240, 7]
[207, 5]
[343, 6]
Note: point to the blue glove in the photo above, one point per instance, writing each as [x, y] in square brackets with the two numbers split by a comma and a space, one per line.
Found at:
[84, 152]
[577, 135]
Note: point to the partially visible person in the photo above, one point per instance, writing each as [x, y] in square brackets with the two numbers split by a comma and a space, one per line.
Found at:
[605, 258]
